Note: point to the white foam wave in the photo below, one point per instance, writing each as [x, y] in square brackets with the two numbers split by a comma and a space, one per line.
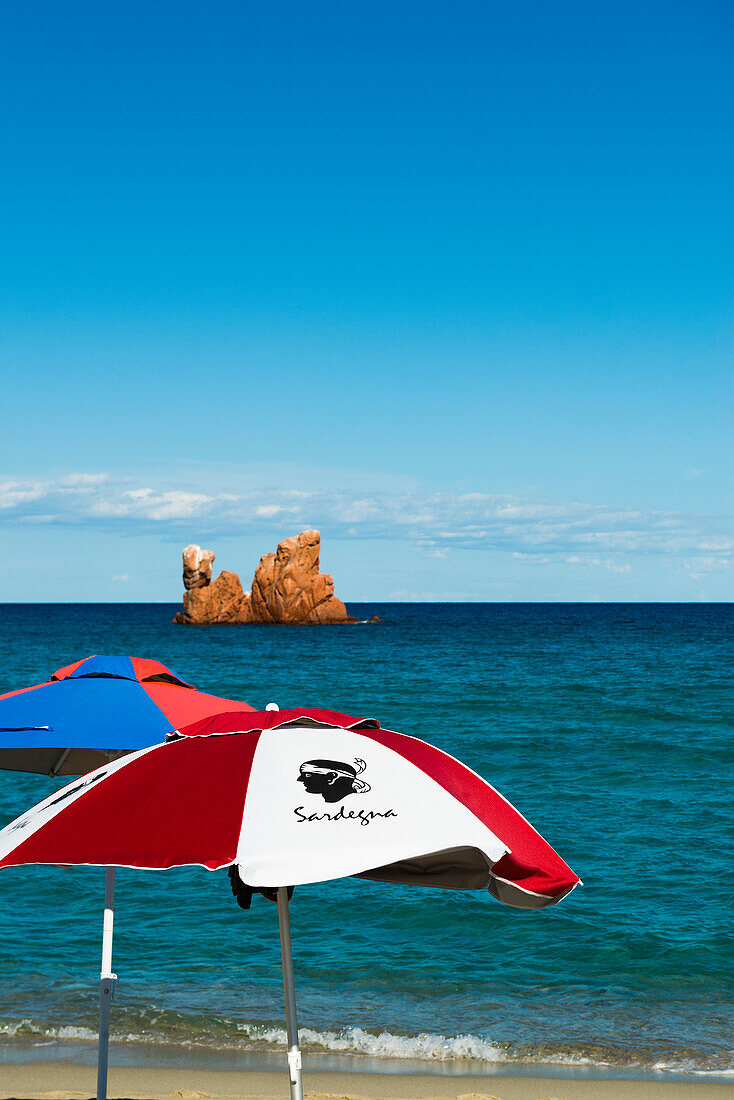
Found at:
[11, 1030]
[425, 1047]
[80, 1034]
[354, 1040]
[28, 1029]
[688, 1067]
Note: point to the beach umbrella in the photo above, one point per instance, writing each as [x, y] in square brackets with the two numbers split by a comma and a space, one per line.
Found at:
[287, 798]
[95, 710]
[87, 714]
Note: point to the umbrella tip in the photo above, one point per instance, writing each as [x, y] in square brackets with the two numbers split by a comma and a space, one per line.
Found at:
[272, 706]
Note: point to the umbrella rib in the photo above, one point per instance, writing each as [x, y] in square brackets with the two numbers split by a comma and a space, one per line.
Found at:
[57, 766]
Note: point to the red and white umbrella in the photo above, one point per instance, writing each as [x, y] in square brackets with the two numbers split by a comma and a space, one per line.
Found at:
[294, 797]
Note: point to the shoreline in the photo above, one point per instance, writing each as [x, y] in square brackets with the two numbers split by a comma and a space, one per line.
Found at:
[61, 1080]
[439, 1078]
[182, 1057]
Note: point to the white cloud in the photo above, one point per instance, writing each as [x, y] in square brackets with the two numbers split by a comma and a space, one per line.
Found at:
[124, 577]
[86, 479]
[534, 531]
[13, 493]
[148, 505]
[138, 494]
[599, 563]
[706, 564]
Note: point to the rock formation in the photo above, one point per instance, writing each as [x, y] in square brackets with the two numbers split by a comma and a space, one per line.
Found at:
[197, 567]
[222, 601]
[287, 588]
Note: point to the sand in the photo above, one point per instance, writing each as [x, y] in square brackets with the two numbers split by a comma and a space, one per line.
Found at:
[65, 1081]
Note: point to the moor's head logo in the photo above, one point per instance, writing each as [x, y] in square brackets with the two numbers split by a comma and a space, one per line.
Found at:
[332, 779]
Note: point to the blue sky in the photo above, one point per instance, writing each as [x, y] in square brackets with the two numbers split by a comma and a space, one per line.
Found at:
[450, 282]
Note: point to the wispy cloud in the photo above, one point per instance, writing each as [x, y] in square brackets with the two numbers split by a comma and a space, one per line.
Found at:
[705, 564]
[534, 531]
[598, 563]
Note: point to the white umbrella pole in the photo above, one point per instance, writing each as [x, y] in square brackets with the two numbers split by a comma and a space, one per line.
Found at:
[294, 1053]
[107, 981]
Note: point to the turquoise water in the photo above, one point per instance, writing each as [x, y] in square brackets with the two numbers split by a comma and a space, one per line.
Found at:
[609, 726]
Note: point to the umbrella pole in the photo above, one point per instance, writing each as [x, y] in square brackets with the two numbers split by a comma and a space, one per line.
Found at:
[294, 1053]
[107, 981]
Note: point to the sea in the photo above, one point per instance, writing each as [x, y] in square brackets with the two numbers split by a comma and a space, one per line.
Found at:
[609, 726]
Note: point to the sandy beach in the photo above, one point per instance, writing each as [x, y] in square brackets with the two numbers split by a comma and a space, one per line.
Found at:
[65, 1081]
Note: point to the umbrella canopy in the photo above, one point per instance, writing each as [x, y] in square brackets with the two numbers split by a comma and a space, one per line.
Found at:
[294, 797]
[96, 709]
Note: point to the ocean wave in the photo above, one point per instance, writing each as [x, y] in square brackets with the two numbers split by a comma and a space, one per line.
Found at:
[687, 1066]
[355, 1040]
[29, 1029]
[70, 1033]
[230, 1036]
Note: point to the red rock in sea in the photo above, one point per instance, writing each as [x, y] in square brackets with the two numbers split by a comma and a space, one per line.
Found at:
[197, 567]
[222, 601]
[287, 588]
